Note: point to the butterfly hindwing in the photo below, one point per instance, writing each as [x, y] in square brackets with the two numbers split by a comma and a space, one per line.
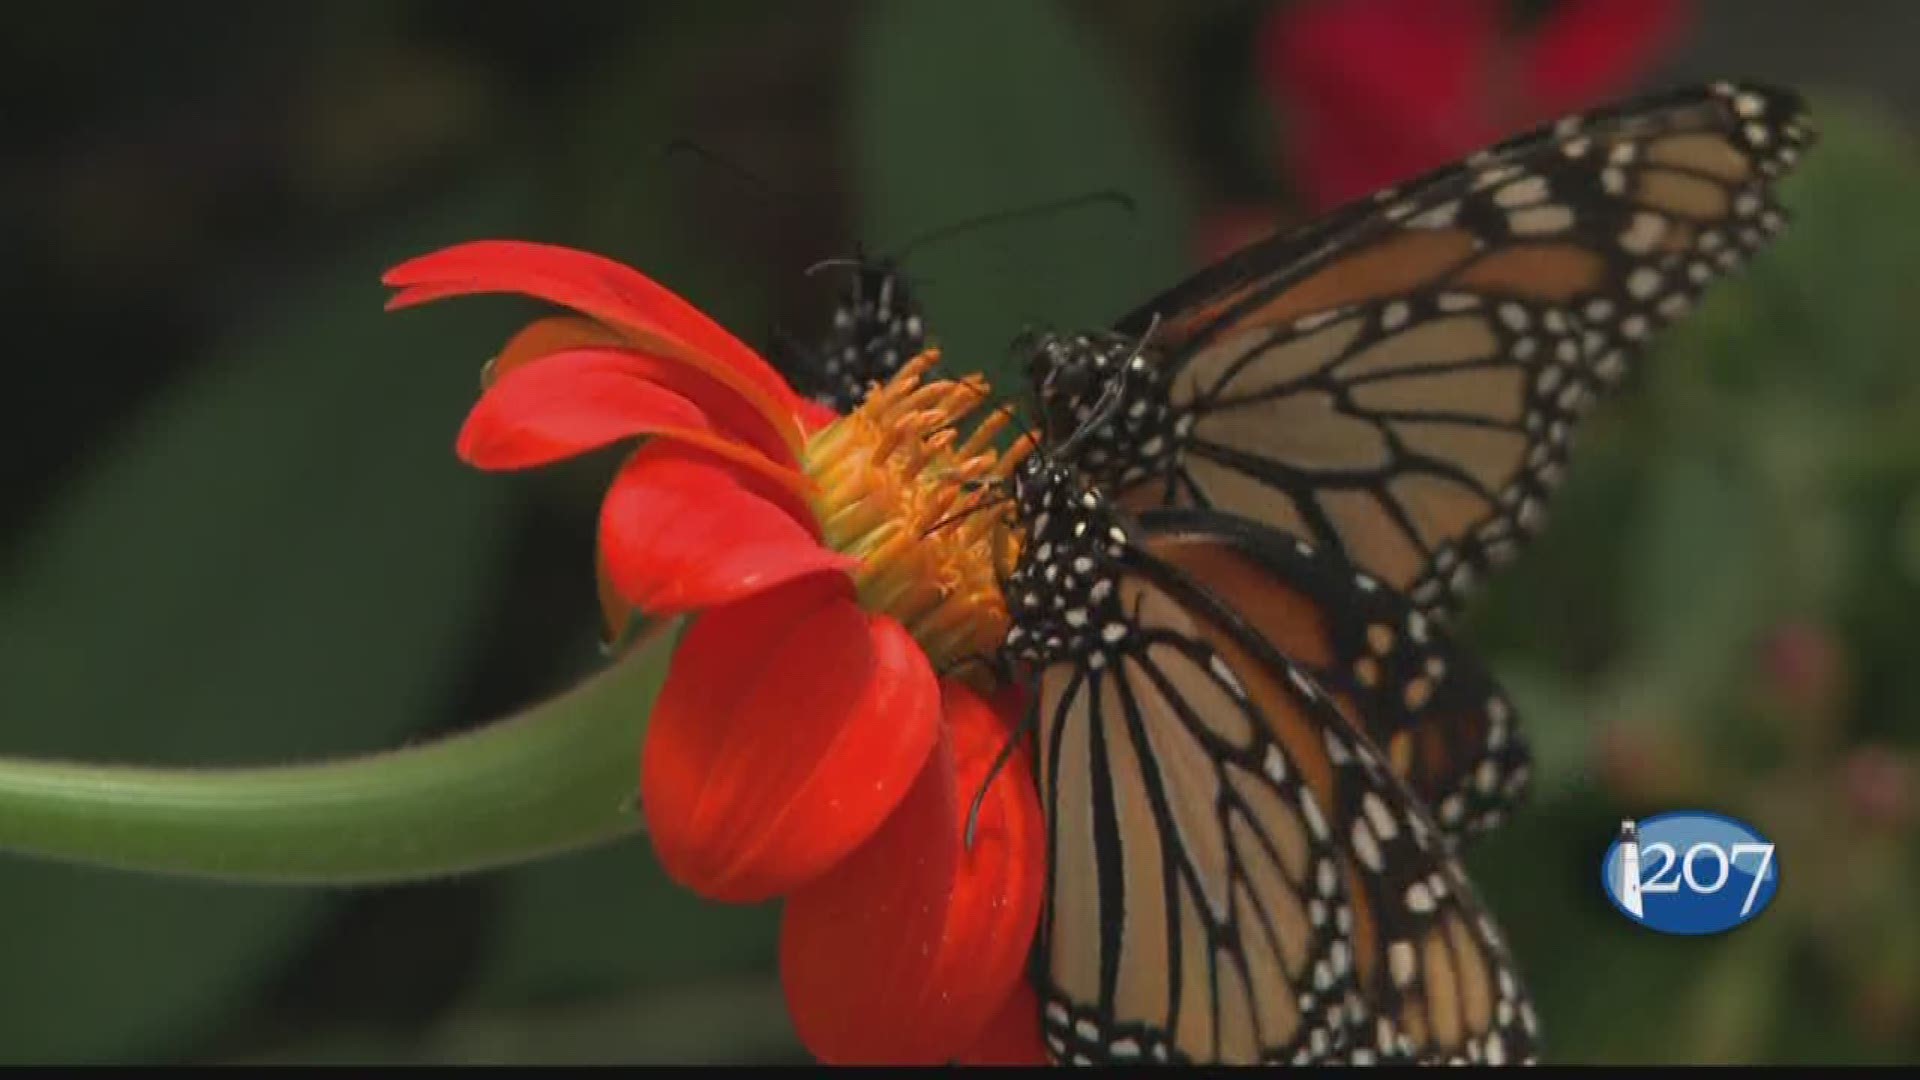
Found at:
[1194, 885]
[1194, 890]
[1434, 981]
[1438, 717]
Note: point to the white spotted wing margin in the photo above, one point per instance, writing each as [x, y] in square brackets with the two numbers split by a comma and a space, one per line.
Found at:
[1195, 897]
[1442, 988]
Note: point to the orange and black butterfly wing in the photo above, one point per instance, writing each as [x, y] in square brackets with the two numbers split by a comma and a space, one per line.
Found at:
[1195, 890]
[1234, 874]
[1602, 167]
[1443, 725]
[1195, 885]
[1401, 382]
[1434, 981]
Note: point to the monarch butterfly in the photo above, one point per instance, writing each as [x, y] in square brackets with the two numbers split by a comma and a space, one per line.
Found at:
[878, 321]
[1313, 447]
[1235, 874]
[1400, 382]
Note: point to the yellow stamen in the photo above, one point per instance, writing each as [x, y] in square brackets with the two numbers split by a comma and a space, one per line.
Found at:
[903, 489]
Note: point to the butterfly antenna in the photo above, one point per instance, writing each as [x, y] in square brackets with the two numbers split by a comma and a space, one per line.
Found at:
[1002, 403]
[1012, 409]
[785, 201]
[1108, 196]
[684, 147]
[838, 263]
[1146, 336]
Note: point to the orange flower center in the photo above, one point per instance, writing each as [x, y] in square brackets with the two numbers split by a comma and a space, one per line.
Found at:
[922, 507]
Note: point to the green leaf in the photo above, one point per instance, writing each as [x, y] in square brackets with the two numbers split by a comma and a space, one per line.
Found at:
[968, 109]
[1837, 305]
[1557, 606]
[1737, 993]
[1698, 594]
[281, 560]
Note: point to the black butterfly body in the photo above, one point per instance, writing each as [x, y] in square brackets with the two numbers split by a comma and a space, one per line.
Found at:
[877, 325]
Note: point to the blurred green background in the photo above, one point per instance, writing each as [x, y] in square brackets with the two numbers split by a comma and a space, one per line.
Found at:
[236, 530]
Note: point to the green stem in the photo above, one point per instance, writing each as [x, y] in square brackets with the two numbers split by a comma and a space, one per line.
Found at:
[561, 775]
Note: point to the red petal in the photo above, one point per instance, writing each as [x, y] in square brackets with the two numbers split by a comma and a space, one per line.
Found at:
[790, 726]
[1592, 50]
[1013, 1035]
[566, 403]
[596, 286]
[556, 333]
[903, 953]
[569, 403]
[682, 529]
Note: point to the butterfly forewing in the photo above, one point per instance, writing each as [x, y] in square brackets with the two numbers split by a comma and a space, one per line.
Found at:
[1194, 889]
[1401, 382]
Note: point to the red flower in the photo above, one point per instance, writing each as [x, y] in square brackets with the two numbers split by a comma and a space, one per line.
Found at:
[1805, 665]
[802, 746]
[1374, 92]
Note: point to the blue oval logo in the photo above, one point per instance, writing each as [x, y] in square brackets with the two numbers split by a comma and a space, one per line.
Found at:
[1690, 872]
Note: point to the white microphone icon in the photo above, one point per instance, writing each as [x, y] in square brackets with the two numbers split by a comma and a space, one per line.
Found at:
[1628, 889]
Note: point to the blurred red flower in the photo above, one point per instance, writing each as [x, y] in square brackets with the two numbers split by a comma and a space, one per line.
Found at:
[1805, 665]
[1373, 92]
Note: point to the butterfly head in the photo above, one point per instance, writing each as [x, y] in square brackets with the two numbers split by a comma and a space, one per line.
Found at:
[1073, 376]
